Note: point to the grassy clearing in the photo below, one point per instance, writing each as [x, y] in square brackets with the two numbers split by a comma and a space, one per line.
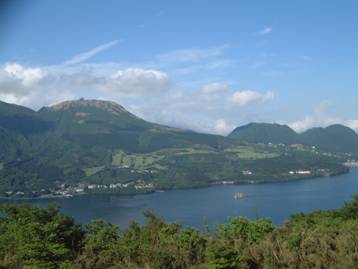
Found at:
[189, 151]
[1, 166]
[92, 170]
[137, 161]
[250, 153]
[153, 160]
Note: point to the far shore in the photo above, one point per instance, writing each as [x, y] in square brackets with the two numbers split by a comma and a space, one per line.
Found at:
[243, 182]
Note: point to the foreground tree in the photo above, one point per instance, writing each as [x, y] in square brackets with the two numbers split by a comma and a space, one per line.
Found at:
[33, 237]
[37, 237]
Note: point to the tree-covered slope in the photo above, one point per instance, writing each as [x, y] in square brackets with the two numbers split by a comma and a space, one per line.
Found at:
[22, 120]
[332, 138]
[335, 138]
[265, 133]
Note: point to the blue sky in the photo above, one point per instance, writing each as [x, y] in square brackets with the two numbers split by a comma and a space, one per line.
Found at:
[203, 65]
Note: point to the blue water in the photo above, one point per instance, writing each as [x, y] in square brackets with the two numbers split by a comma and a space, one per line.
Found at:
[213, 205]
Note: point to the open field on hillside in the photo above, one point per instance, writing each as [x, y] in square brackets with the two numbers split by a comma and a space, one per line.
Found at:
[250, 153]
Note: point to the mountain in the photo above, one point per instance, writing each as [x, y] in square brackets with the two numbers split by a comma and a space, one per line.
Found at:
[264, 133]
[109, 125]
[90, 140]
[334, 138]
[99, 146]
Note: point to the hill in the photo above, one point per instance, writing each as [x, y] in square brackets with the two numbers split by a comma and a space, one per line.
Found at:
[334, 138]
[265, 133]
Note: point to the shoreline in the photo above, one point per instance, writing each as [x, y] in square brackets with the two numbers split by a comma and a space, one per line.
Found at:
[245, 182]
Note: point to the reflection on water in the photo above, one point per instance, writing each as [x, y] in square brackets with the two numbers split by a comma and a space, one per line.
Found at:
[213, 205]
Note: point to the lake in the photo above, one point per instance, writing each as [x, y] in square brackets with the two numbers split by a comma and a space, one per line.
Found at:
[213, 205]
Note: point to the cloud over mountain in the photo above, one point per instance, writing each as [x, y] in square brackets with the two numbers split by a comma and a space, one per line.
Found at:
[37, 86]
[321, 116]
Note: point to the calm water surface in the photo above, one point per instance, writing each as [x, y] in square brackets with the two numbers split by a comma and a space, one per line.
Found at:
[213, 205]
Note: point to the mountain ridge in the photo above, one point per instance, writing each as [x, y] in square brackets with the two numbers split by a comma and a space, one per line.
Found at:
[335, 137]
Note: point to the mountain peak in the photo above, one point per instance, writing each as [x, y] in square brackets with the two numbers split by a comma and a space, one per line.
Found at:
[264, 133]
[108, 106]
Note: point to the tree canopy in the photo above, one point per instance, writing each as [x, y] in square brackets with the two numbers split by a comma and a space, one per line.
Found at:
[35, 237]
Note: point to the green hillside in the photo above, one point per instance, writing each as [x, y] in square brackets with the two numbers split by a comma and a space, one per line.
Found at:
[22, 120]
[98, 146]
[95, 123]
[265, 133]
[334, 138]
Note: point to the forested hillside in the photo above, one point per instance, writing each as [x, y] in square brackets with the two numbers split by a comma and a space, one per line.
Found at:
[334, 138]
[87, 146]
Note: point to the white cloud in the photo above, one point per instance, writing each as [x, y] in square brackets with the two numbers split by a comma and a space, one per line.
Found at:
[35, 86]
[136, 81]
[88, 54]
[244, 98]
[26, 76]
[321, 117]
[16, 81]
[221, 127]
[352, 124]
[265, 31]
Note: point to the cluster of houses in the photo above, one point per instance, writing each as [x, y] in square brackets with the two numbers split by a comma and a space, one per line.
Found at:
[138, 185]
[62, 190]
[18, 193]
[65, 190]
[300, 172]
[68, 191]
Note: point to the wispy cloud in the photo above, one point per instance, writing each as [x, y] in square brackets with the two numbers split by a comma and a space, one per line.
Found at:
[191, 55]
[88, 54]
[265, 31]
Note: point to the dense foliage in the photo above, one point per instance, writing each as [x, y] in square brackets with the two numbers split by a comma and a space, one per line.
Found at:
[32, 237]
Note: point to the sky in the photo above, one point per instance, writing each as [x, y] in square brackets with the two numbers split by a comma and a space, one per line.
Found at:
[206, 65]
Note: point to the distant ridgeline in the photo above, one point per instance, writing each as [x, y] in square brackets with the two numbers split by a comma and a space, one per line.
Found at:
[92, 146]
[335, 138]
